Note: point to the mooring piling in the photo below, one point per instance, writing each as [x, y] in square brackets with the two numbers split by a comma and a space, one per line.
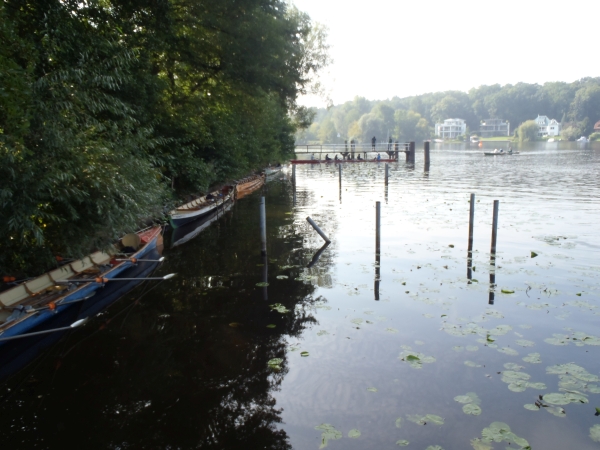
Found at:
[318, 230]
[494, 229]
[377, 248]
[426, 155]
[387, 172]
[471, 222]
[263, 227]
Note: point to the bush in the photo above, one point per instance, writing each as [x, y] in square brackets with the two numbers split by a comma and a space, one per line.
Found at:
[595, 136]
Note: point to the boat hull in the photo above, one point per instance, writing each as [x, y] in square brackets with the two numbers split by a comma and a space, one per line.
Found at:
[32, 320]
[17, 354]
[249, 185]
[178, 219]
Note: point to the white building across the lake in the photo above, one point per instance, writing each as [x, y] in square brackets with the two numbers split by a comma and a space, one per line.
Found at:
[494, 127]
[547, 127]
[451, 128]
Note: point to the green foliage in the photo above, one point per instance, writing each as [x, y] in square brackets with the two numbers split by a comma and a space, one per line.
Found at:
[595, 136]
[527, 131]
[578, 101]
[108, 109]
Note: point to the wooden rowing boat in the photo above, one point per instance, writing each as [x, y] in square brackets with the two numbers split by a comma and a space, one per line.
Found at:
[201, 207]
[29, 305]
[190, 230]
[249, 184]
[333, 161]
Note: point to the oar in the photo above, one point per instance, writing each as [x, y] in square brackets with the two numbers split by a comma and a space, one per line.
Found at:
[106, 280]
[134, 260]
[73, 325]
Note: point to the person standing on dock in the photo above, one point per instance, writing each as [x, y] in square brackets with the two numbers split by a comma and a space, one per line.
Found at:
[390, 145]
[312, 157]
[352, 145]
[373, 142]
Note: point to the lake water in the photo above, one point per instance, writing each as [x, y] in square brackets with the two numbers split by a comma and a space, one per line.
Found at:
[409, 349]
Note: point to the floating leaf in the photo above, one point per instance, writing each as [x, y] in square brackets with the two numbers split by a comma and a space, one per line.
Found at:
[275, 363]
[402, 443]
[533, 358]
[595, 433]
[353, 433]
[531, 407]
[262, 284]
[533, 254]
[235, 324]
[556, 411]
[322, 333]
[282, 277]
[508, 351]
[412, 358]
[507, 291]
[399, 422]
[304, 353]
[423, 420]
[498, 432]
[271, 325]
[451, 246]
[372, 389]
[279, 308]
[434, 447]
[472, 364]
[471, 409]
[524, 343]
[329, 433]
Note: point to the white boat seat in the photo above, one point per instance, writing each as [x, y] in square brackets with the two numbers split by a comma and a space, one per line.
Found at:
[131, 240]
[61, 273]
[39, 284]
[14, 295]
[81, 265]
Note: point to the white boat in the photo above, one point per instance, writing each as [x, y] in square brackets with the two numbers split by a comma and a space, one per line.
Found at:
[438, 141]
[582, 139]
[550, 140]
[500, 152]
[496, 152]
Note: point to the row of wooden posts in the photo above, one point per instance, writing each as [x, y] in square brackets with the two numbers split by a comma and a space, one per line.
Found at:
[469, 246]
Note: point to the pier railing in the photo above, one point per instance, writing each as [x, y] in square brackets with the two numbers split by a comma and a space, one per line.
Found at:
[341, 149]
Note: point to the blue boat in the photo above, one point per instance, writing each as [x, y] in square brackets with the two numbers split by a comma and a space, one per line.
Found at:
[19, 353]
[30, 305]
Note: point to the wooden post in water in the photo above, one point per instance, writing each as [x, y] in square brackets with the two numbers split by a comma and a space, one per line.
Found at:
[340, 175]
[494, 229]
[294, 173]
[377, 248]
[411, 151]
[318, 230]
[426, 155]
[387, 172]
[263, 227]
[471, 222]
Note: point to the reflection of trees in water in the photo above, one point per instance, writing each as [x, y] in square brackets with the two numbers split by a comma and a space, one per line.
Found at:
[175, 373]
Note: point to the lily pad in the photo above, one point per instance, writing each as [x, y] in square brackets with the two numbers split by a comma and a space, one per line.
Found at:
[402, 443]
[398, 422]
[304, 353]
[353, 433]
[472, 364]
[533, 254]
[533, 358]
[595, 433]
[507, 291]
[498, 432]
[235, 324]
[282, 277]
[275, 363]
[372, 389]
[262, 284]
[427, 418]
[329, 433]
[271, 325]
[531, 407]
[279, 308]
[471, 409]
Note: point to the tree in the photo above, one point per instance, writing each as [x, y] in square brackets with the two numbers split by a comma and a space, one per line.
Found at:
[585, 107]
[527, 131]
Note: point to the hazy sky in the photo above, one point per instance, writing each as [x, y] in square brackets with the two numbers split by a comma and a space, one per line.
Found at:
[386, 48]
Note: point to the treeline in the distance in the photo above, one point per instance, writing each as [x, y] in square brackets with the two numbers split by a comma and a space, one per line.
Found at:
[576, 105]
[109, 109]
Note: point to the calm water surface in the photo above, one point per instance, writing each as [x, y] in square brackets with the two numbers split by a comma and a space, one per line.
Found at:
[186, 364]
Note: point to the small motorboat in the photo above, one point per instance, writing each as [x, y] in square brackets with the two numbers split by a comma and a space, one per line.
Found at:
[582, 139]
[495, 152]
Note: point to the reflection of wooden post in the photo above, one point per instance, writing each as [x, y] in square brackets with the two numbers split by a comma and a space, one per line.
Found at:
[471, 221]
[411, 152]
[387, 172]
[426, 154]
[263, 227]
[294, 173]
[340, 172]
[494, 229]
